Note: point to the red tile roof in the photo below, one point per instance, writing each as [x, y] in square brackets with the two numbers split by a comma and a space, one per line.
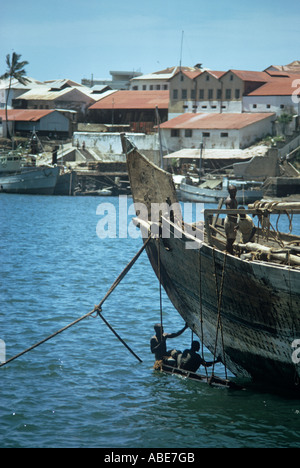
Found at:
[192, 73]
[215, 121]
[279, 87]
[215, 73]
[29, 115]
[246, 75]
[134, 100]
[293, 67]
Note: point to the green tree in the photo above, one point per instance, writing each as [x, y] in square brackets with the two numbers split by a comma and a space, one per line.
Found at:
[15, 70]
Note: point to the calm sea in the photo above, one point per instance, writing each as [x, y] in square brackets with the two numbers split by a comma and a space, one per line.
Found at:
[83, 388]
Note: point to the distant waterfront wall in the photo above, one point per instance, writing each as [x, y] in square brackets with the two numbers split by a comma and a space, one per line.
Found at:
[109, 144]
[259, 167]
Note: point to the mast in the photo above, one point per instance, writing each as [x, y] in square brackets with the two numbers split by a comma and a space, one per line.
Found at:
[181, 46]
[200, 162]
[159, 136]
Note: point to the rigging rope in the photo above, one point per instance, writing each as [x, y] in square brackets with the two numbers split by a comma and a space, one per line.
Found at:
[97, 309]
[159, 280]
[200, 303]
[219, 320]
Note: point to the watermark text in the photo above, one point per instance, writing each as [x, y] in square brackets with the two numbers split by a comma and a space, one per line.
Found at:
[163, 219]
[296, 92]
[296, 353]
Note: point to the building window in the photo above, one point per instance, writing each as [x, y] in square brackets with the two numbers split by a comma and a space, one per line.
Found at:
[268, 106]
[206, 134]
[184, 94]
[174, 132]
[210, 93]
[237, 94]
[201, 93]
[224, 134]
[188, 133]
[231, 77]
[219, 94]
[181, 77]
[281, 106]
[151, 87]
[207, 78]
[228, 94]
[193, 94]
[135, 88]
[254, 106]
[158, 87]
[175, 93]
[144, 87]
[165, 86]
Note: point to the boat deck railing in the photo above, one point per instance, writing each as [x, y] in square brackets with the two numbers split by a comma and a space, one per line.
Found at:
[269, 243]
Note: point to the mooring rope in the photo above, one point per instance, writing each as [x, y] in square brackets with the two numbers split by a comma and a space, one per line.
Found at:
[97, 309]
[159, 280]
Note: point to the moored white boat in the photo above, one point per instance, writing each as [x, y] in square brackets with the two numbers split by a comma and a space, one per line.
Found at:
[213, 190]
[19, 176]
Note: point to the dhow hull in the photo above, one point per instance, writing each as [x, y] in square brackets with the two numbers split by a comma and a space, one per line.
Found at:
[245, 312]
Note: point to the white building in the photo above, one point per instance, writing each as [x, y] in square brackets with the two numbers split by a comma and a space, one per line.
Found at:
[15, 91]
[119, 80]
[158, 81]
[278, 95]
[230, 131]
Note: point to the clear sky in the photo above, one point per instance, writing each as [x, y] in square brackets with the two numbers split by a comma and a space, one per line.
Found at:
[75, 39]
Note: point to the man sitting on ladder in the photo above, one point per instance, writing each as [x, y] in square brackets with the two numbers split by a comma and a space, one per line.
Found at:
[158, 342]
[190, 360]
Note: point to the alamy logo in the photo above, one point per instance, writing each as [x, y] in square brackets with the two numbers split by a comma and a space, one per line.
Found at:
[121, 226]
[296, 353]
[296, 92]
[2, 351]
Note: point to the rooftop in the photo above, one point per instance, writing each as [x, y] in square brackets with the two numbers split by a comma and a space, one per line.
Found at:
[133, 100]
[169, 73]
[248, 75]
[293, 67]
[28, 115]
[279, 87]
[215, 121]
[47, 92]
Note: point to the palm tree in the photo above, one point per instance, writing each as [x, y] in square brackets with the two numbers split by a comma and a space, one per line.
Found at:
[15, 69]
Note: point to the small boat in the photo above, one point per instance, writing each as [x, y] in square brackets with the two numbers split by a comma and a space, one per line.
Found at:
[19, 174]
[243, 307]
[104, 192]
[212, 190]
[212, 380]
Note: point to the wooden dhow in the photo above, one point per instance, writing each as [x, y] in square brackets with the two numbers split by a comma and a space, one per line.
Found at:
[243, 307]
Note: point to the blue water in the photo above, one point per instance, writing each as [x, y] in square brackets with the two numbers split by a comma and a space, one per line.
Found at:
[83, 388]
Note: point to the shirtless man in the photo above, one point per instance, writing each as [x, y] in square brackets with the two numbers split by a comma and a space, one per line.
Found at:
[158, 341]
[190, 359]
[231, 220]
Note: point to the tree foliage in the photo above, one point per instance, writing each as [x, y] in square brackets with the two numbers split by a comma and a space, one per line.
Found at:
[15, 70]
